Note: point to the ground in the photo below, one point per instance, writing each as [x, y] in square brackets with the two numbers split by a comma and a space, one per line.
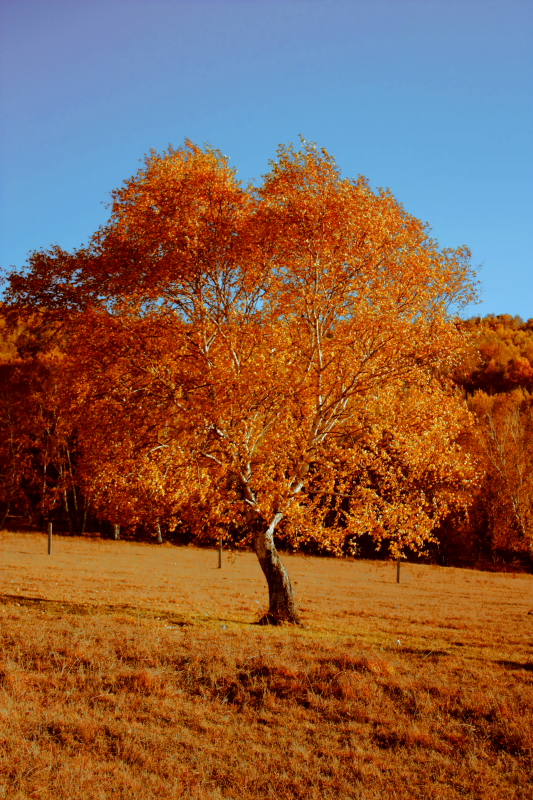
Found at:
[134, 671]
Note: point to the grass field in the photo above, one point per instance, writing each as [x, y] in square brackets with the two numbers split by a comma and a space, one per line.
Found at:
[133, 671]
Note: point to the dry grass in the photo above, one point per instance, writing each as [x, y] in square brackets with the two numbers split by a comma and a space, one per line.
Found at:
[131, 671]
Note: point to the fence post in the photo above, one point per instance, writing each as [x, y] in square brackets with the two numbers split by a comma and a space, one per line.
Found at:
[49, 538]
[398, 571]
[116, 532]
[220, 552]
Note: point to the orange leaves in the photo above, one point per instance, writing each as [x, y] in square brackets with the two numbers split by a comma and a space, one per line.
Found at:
[500, 356]
[394, 478]
[497, 372]
[174, 223]
[503, 443]
[242, 351]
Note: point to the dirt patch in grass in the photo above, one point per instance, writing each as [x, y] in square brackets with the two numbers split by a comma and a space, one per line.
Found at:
[132, 671]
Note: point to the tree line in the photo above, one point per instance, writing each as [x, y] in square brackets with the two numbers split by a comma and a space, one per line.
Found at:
[281, 364]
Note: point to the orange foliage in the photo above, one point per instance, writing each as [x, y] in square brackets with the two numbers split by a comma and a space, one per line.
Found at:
[237, 352]
[500, 358]
[497, 375]
[37, 441]
[503, 440]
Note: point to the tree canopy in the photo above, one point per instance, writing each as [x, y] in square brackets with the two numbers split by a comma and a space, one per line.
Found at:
[262, 358]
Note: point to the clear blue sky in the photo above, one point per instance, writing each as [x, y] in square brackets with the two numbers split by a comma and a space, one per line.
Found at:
[431, 98]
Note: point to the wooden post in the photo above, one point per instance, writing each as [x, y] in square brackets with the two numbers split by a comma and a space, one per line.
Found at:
[49, 538]
[116, 532]
[220, 552]
[398, 571]
[159, 534]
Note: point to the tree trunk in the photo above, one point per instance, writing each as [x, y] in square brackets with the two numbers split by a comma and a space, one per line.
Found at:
[6, 513]
[77, 525]
[84, 518]
[67, 508]
[281, 606]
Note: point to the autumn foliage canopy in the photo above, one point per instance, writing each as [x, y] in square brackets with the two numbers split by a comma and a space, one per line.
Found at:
[260, 362]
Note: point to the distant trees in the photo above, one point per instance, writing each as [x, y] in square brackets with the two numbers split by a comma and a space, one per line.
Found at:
[38, 440]
[264, 359]
[505, 440]
[497, 376]
[500, 358]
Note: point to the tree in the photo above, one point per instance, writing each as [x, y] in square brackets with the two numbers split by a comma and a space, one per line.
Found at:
[37, 441]
[283, 313]
[503, 439]
[500, 357]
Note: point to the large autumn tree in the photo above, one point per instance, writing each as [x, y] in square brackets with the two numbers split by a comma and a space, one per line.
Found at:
[258, 328]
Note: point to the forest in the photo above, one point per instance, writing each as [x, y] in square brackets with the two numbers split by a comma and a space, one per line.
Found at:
[283, 366]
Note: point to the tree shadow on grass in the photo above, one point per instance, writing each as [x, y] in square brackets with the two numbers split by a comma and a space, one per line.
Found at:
[422, 652]
[516, 665]
[61, 607]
